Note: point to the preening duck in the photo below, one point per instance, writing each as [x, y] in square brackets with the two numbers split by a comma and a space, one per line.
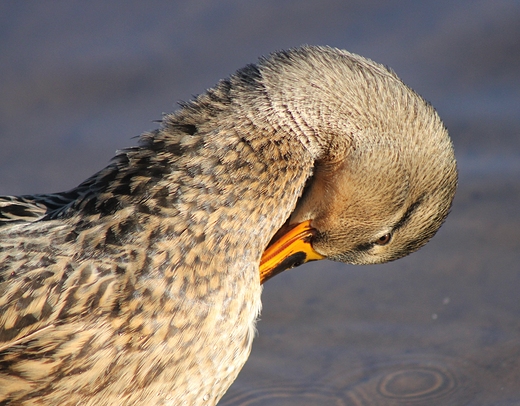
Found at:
[142, 285]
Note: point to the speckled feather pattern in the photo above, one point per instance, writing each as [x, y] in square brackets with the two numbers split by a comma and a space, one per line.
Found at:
[141, 286]
[95, 298]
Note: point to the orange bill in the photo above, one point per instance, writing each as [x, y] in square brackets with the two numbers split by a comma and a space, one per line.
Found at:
[290, 247]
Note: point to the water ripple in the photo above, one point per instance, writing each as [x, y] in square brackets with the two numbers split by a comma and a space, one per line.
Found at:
[411, 380]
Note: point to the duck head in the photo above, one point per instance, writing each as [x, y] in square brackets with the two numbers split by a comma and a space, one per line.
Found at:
[385, 173]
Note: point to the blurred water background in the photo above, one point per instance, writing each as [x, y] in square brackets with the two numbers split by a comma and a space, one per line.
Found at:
[79, 80]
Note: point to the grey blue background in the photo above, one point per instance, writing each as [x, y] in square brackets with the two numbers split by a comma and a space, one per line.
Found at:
[79, 80]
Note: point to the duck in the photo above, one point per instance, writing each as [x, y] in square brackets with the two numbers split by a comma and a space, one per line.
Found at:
[142, 286]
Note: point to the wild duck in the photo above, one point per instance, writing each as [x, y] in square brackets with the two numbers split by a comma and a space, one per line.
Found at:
[142, 285]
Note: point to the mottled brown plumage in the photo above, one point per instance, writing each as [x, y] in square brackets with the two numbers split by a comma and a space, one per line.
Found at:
[142, 285]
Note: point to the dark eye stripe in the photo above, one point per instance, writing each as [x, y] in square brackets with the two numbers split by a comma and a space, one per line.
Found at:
[408, 214]
[364, 247]
[406, 217]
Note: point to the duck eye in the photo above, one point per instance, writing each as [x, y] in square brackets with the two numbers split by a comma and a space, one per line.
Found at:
[385, 239]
